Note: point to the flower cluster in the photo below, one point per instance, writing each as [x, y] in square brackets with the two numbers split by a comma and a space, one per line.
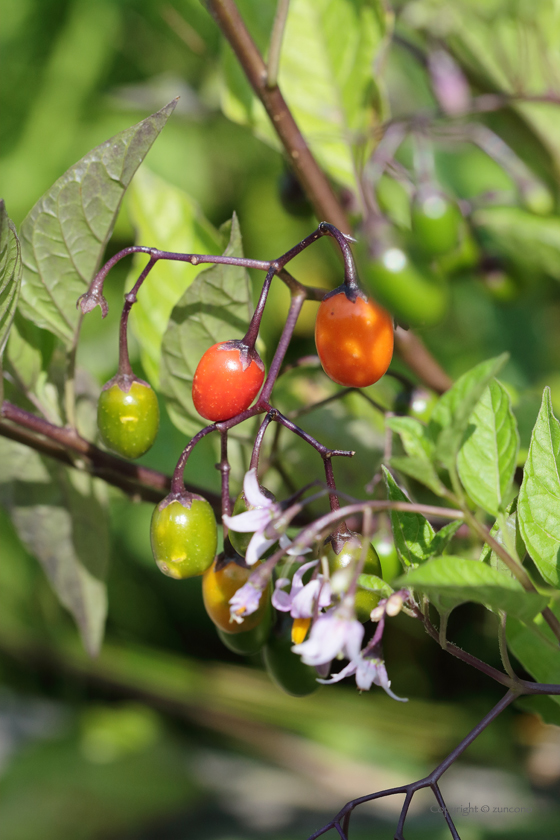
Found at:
[335, 632]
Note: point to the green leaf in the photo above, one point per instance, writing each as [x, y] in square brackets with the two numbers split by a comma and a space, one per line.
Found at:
[511, 526]
[60, 516]
[488, 457]
[64, 236]
[420, 449]
[375, 584]
[420, 470]
[451, 413]
[462, 580]
[27, 352]
[538, 507]
[412, 531]
[415, 539]
[10, 274]
[531, 242]
[326, 80]
[444, 536]
[536, 647]
[414, 438]
[166, 217]
[216, 307]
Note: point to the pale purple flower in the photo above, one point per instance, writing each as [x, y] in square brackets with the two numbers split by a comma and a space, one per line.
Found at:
[368, 671]
[255, 521]
[244, 602]
[300, 601]
[331, 635]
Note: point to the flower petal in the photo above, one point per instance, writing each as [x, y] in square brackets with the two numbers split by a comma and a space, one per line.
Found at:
[244, 602]
[346, 672]
[253, 494]
[257, 547]
[281, 601]
[248, 521]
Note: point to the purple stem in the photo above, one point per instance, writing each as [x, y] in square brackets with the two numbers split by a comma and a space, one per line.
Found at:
[255, 455]
[124, 361]
[253, 331]
[225, 470]
[287, 332]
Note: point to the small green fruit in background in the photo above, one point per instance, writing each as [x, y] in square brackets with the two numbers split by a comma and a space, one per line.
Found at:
[435, 222]
[413, 292]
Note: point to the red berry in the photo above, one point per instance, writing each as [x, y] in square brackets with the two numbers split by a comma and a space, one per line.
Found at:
[226, 381]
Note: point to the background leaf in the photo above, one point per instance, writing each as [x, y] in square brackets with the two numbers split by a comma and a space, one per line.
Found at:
[167, 218]
[538, 507]
[61, 518]
[451, 413]
[488, 457]
[10, 274]
[536, 647]
[64, 236]
[216, 307]
[511, 523]
[420, 449]
[326, 80]
[468, 580]
[530, 242]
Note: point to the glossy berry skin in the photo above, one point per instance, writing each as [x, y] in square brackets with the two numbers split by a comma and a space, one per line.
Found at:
[365, 601]
[184, 539]
[435, 222]
[250, 641]
[350, 553]
[284, 667]
[223, 386]
[218, 586]
[240, 539]
[354, 340]
[388, 557]
[128, 418]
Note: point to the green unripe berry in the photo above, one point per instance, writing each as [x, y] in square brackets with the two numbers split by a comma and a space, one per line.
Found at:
[414, 293]
[348, 556]
[350, 553]
[435, 223]
[250, 642]
[184, 536]
[365, 601]
[284, 667]
[128, 416]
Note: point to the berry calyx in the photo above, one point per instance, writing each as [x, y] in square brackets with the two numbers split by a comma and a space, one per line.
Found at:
[228, 378]
[354, 339]
[184, 535]
[350, 553]
[128, 416]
